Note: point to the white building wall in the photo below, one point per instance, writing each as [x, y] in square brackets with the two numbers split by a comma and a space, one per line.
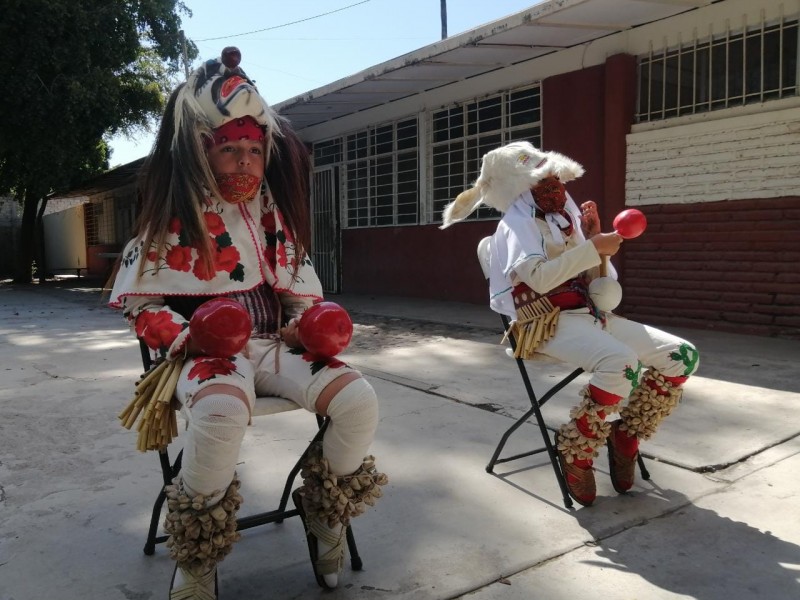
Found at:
[734, 158]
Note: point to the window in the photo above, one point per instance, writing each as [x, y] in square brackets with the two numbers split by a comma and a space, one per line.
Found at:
[462, 134]
[381, 167]
[752, 65]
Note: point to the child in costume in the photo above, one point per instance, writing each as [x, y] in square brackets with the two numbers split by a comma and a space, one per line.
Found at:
[545, 274]
[225, 214]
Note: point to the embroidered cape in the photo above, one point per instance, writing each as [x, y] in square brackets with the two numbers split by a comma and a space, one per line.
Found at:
[252, 245]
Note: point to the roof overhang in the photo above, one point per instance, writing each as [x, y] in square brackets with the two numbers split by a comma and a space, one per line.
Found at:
[542, 29]
[110, 180]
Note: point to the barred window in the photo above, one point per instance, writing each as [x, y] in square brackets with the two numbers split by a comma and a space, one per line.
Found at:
[461, 135]
[750, 65]
[381, 166]
[328, 152]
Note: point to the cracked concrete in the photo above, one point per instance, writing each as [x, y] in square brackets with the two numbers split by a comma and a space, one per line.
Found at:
[71, 478]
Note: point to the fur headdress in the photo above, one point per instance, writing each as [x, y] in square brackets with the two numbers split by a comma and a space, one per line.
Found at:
[218, 92]
[507, 172]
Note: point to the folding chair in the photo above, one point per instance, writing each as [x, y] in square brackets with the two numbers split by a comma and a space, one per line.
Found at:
[536, 403]
[266, 405]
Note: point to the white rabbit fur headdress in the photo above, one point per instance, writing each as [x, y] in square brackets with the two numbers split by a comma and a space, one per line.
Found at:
[507, 172]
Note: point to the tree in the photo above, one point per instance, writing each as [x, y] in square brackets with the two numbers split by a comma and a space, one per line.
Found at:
[77, 71]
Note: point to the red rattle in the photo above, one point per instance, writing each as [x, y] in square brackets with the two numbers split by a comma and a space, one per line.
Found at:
[325, 329]
[605, 292]
[220, 327]
[630, 223]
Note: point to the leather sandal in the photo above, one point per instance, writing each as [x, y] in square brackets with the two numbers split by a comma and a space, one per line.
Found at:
[580, 482]
[194, 588]
[621, 467]
[332, 561]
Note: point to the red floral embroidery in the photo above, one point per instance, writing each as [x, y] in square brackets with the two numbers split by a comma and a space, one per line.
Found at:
[227, 259]
[157, 329]
[214, 223]
[201, 272]
[179, 258]
[331, 363]
[152, 256]
[282, 258]
[208, 368]
[174, 225]
[268, 222]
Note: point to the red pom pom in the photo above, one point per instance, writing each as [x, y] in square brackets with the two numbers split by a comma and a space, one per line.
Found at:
[231, 57]
[630, 223]
[220, 327]
[325, 329]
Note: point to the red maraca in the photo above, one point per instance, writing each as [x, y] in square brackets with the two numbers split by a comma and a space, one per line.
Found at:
[220, 327]
[630, 223]
[605, 292]
[325, 329]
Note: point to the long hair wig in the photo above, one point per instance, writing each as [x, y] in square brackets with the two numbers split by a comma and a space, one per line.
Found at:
[177, 178]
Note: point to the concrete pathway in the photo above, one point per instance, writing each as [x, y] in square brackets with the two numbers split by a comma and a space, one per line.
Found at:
[717, 520]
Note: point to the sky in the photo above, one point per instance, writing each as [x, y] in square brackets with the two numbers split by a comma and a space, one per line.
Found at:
[292, 47]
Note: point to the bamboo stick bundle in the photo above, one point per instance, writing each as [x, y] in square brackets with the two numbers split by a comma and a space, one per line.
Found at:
[152, 405]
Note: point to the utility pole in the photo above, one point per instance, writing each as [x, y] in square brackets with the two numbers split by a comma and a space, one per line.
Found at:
[186, 53]
[444, 18]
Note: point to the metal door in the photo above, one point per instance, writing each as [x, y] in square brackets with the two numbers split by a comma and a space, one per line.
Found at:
[325, 228]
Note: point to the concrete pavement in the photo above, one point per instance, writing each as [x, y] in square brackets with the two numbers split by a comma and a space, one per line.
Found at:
[718, 519]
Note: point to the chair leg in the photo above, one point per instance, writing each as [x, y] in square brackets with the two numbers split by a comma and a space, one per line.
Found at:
[355, 559]
[643, 468]
[150, 545]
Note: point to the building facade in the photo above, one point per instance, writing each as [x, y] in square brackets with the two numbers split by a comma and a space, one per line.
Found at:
[688, 111]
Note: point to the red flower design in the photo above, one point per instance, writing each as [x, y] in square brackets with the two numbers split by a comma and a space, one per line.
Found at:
[174, 225]
[201, 272]
[331, 363]
[208, 368]
[268, 222]
[179, 258]
[214, 223]
[157, 329]
[282, 259]
[227, 259]
[152, 256]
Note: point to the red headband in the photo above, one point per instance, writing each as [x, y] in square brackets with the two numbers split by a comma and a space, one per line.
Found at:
[245, 128]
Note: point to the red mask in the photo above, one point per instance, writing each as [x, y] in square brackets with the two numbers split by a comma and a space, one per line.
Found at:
[236, 188]
[550, 195]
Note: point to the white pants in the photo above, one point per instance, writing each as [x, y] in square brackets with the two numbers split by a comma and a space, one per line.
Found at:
[217, 422]
[614, 352]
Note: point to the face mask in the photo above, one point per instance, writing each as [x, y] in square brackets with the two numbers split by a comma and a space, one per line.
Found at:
[236, 188]
[550, 195]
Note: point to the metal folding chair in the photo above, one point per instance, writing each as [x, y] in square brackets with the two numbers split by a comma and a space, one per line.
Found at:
[264, 406]
[536, 404]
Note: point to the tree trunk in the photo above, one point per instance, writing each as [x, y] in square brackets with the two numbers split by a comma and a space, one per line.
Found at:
[27, 236]
[41, 256]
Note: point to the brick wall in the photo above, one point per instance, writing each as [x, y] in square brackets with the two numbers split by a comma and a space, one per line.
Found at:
[738, 157]
[731, 266]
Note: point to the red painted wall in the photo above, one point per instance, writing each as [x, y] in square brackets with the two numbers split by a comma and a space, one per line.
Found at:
[419, 262]
[730, 266]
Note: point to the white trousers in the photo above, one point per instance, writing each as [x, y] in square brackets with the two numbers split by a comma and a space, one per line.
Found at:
[616, 351]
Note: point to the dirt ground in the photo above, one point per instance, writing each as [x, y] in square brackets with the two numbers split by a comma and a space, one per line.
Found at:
[372, 333]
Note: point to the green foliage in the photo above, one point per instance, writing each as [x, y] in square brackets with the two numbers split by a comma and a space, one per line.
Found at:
[73, 72]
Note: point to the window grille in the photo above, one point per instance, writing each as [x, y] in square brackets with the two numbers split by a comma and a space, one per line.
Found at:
[381, 166]
[99, 220]
[751, 65]
[461, 135]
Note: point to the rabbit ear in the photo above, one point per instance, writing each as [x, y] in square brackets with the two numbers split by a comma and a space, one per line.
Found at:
[461, 207]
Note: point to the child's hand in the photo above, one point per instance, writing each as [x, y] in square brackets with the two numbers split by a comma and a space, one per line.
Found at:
[590, 219]
[607, 244]
[290, 335]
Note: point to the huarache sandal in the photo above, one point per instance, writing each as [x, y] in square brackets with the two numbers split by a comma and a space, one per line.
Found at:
[332, 561]
[194, 588]
[580, 482]
[621, 467]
